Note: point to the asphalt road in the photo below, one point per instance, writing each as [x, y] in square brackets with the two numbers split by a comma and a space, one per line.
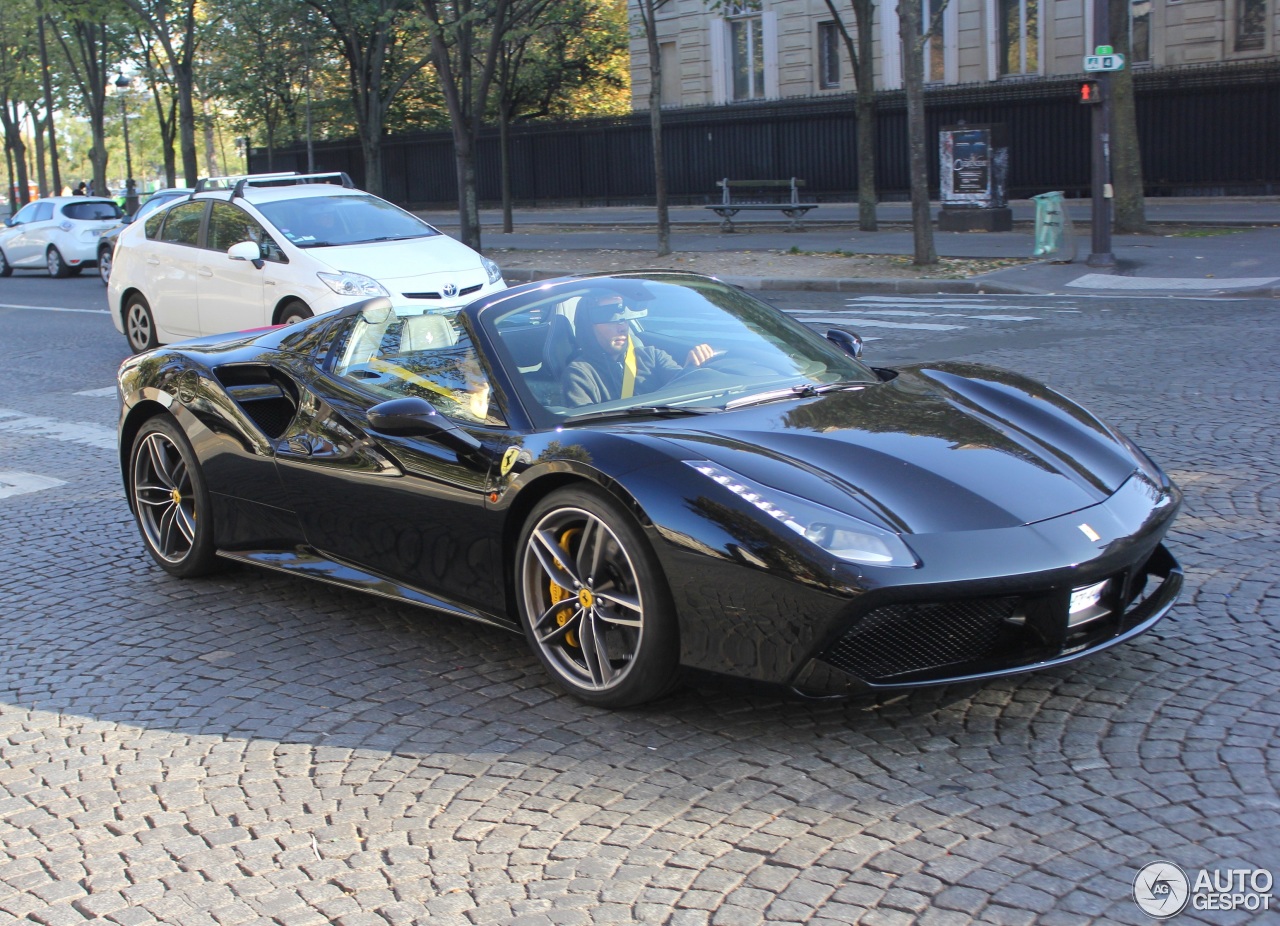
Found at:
[254, 748]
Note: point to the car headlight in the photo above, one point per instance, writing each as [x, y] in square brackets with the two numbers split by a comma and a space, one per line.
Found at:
[347, 283]
[841, 535]
[495, 273]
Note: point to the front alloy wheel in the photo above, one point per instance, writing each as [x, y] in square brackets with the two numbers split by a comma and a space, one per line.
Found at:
[170, 500]
[593, 603]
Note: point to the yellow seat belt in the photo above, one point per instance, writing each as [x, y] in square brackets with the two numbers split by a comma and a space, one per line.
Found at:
[629, 370]
[410, 377]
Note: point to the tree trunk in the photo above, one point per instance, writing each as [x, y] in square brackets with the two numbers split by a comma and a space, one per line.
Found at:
[47, 81]
[16, 151]
[184, 84]
[1129, 208]
[913, 80]
[42, 178]
[504, 148]
[468, 207]
[865, 114]
[655, 129]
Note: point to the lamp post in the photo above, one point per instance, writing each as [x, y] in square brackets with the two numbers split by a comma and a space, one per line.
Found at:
[130, 188]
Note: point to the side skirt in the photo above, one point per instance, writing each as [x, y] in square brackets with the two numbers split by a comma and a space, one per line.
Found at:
[314, 565]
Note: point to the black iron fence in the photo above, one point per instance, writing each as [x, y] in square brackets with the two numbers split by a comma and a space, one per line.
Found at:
[1208, 130]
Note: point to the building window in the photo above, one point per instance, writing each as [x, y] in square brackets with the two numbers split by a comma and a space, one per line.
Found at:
[668, 58]
[1140, 31]
[935, 50]
[1251, 25]
[1019, 26]
[746, 51]
[828, 56]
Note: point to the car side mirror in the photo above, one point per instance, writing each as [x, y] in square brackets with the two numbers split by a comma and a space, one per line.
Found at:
[9, 222]
[416, 417]
[246, 250]
[847, 341]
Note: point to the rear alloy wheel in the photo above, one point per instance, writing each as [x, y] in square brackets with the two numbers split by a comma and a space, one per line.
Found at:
[104, 265]
[170, 500]
[139, 326]
[57, 266]
[6, 270]
[295, 312]
[593, 603]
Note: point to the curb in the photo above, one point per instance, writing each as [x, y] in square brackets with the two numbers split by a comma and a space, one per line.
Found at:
[972, 287]
[835, 285]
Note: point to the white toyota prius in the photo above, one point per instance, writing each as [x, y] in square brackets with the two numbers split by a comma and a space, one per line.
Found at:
[272, 249]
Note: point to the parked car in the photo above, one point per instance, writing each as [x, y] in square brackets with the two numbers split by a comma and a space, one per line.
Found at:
[107, 244]
[274, 249]
[59, 234]
[774, 509]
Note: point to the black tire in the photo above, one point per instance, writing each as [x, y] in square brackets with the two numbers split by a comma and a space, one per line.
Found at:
[6, 269]
[170, 500]
[294, 311]
[57, 266]
[104, 265]
[593, 602]
[139, 325]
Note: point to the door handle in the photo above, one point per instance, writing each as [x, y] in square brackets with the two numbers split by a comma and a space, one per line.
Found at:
[204, 271]
[153, 261]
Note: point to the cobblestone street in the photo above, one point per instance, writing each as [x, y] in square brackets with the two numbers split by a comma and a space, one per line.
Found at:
[255, 748]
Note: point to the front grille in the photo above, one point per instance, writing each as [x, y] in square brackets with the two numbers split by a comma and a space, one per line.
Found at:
[916, 637]
[465, 291]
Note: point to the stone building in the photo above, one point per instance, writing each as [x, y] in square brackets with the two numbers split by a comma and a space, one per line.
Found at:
[778, 49]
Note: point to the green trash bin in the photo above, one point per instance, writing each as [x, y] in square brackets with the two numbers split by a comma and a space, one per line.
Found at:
[1054, 238]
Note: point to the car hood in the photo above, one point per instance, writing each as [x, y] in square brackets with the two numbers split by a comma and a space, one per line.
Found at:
[399, 264]
[952, 447]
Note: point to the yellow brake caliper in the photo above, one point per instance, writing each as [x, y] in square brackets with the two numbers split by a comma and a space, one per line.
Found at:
[559, 593]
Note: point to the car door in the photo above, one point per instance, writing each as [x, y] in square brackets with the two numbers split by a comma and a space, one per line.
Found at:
[171, 270]
[412, 509]
[26, 248]
[14, 239]
[234, 293]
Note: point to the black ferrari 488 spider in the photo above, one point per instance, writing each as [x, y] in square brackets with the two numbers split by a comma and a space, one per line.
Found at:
[650, 471]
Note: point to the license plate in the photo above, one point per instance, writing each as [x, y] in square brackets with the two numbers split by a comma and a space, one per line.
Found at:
[1086, 604]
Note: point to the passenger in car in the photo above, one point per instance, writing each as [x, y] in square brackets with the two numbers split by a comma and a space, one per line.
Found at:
[609, 363]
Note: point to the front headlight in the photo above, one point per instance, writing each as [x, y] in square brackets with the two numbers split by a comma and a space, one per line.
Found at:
[495, 273]
[841, 535]
[346, 283]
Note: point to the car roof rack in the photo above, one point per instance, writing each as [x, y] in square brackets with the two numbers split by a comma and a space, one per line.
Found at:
[238, 182]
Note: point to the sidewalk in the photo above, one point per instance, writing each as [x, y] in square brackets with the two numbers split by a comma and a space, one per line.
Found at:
[1209, 247]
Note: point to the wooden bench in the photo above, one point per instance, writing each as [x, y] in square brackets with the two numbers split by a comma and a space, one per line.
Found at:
[729, 207]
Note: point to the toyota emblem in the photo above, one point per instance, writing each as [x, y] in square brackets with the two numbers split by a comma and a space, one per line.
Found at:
[450, 290]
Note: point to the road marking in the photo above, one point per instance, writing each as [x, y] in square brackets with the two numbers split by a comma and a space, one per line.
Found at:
[15, 483]
[874, 323]
[53, 308]
[75, 432]
[104, 392]
[1106, 281]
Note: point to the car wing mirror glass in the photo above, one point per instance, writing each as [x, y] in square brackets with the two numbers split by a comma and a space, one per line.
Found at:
[847, 341]
[415, 417]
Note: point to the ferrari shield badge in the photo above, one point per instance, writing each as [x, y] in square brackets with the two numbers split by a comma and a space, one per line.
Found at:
[509, 459]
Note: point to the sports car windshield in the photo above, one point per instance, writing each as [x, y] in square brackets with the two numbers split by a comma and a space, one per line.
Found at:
[329, 221]
[660, 344]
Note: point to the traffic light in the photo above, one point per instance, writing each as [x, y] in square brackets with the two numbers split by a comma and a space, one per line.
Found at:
[1090, 92]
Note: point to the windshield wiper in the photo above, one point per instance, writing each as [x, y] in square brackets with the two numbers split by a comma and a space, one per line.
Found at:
[642, 411]
[800, 391]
